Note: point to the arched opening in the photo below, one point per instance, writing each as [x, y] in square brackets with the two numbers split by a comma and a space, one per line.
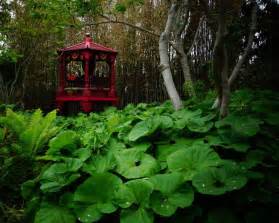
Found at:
[101, 76]
[74, 74]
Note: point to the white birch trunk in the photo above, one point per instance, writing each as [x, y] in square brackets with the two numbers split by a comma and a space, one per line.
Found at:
[164, 59]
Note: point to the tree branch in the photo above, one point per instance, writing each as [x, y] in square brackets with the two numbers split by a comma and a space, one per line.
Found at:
[248, 48]
[196, 35]
[115, 21]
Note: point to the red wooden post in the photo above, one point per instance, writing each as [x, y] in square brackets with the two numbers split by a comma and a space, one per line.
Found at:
[86, 90]
[86, 104]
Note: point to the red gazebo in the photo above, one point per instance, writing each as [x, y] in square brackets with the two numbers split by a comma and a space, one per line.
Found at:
[86, 75]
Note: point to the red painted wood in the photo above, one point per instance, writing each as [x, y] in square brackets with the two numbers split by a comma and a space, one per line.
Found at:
[86, 51]
[88, 44]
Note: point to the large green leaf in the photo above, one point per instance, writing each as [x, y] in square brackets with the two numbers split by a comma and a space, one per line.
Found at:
[228, 142]
[144, 128]
[125, 196]
[141, 188]
[217, 181]
[246, 126]
[88, 214]
[166, 122]
[100, 164]
[53, 213]
[199, 124]
[67, 140]
[133, 163]
[94, 212]
[161, 205]
[163, 151]
[183, 116]
[192, 160]
[60, 174]
[140, 215]
[99, 188]
[167, 183]
[82, 153]
[167, 204]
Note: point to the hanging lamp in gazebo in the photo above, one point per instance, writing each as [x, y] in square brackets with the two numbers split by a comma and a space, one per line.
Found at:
[86, 75]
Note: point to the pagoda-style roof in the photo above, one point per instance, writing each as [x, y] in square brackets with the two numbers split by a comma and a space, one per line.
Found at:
[88, 43]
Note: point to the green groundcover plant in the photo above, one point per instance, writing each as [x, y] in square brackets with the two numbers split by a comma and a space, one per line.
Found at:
[147, 163]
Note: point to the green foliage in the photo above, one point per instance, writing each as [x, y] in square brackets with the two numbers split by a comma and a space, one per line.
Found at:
[52, 213]
[9, 56]
[122, 5]
[33, 132]
[150, 162]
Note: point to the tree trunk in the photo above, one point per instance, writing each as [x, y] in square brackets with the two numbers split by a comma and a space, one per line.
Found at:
[245, 54]
[225, 85]
[164, 59]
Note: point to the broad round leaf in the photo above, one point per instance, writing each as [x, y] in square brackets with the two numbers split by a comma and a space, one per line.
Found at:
[139, 130]
[167, 183]
[99, 164]
[99, 188]
[52, 213]
[132, 163]
[192, 160]
[144, 128]
[88, 214]
[124, 196]
[217, 181]
[141, 188]
[182, 198]
[166, 204]
[106, 208]
[161, 205]
[166, 121]
[245, 126]
[59, 175]
[65, 140]
[136, 216]
[199, 125]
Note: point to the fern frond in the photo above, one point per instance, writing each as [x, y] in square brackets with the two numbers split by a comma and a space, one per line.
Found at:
[13, 121]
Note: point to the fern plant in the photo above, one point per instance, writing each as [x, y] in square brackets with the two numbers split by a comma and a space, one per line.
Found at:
[33, 131]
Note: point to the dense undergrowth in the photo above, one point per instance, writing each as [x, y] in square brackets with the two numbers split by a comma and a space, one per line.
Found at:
[143, 164]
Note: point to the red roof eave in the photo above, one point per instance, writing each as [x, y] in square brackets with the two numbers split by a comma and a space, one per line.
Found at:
[88, 44]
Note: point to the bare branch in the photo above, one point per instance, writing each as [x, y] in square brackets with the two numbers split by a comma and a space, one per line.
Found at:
[115, 21]
[248, 48]
[196, 34]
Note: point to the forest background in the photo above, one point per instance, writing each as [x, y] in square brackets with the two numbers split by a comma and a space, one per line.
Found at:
[32, 30]
[201, 54]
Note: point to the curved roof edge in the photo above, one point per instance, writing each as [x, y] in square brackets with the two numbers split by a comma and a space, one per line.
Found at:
[87, 44]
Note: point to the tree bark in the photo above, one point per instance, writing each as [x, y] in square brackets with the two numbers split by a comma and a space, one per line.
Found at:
[248, 48]
[225, 85]
[164, 58]
[182, 19]
[220, 61]
[245, 54]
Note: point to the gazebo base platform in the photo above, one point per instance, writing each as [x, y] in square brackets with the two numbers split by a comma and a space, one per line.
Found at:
[86, 102]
